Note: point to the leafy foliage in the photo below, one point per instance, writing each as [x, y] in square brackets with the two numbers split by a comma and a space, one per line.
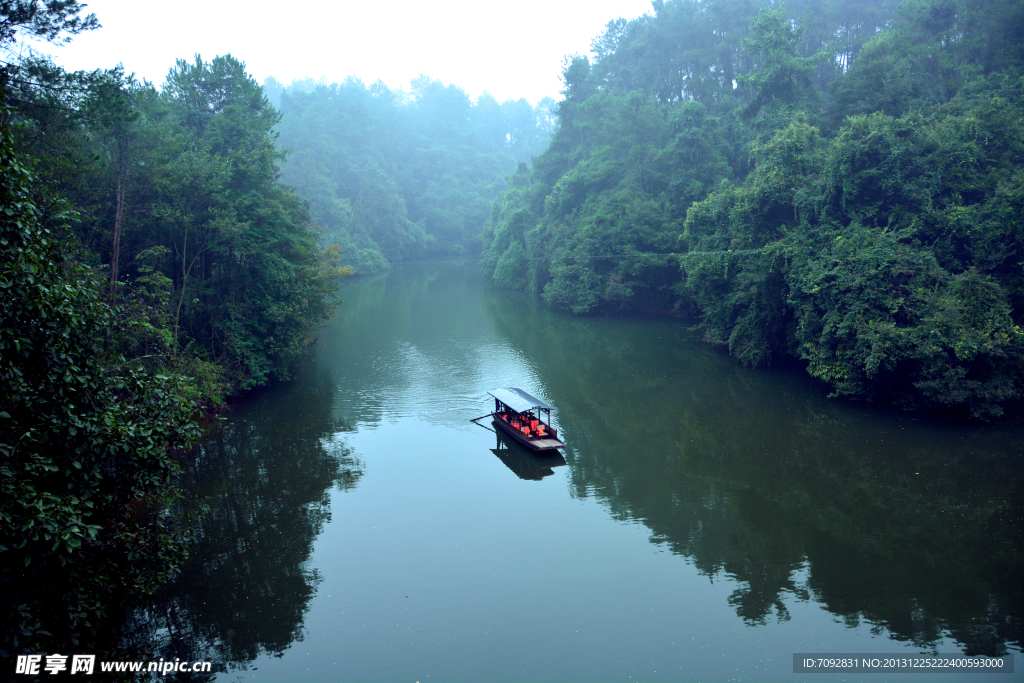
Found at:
[392, 176]
[53, 20]
[191, 173]
[836, 183]
[87, 442]
[216, 284]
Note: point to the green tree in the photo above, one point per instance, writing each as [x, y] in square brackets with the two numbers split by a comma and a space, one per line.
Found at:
[251, 283]
[393, 176]
[835, 182]
[87, 441]
[53, 20]
[781, 79]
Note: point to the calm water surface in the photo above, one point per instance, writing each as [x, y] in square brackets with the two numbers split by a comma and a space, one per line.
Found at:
[709, 522]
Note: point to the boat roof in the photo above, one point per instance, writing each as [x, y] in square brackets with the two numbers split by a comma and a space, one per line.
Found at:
[517, 399]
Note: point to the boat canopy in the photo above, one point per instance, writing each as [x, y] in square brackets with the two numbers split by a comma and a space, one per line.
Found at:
[518, 400]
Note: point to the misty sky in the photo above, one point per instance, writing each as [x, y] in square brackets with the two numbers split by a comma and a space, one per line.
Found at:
[510, 49]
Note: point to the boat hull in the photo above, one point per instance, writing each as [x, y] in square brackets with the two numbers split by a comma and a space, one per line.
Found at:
[548, 443]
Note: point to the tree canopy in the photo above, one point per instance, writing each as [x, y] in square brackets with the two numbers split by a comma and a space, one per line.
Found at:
[55, 21]
[832, 181]
[392, 175]
[151, 263]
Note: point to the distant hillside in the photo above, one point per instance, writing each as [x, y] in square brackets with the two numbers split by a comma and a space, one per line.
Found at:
[391, 175]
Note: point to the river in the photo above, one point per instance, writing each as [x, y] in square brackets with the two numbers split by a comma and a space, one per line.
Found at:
[710, 520]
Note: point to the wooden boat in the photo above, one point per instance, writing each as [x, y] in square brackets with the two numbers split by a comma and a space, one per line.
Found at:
[519, 415]
[527, 464]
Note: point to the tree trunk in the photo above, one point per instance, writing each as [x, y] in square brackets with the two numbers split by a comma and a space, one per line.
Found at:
[122, 183]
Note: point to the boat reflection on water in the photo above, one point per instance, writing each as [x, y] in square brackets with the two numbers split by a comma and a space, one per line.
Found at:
[526, 464]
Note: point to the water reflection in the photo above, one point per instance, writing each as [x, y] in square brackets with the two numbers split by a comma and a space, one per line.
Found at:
[907, 525]
[258, 494]
[416, 343]
[903, 522]
[526, 464]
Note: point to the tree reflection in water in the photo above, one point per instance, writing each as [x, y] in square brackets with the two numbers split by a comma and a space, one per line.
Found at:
[258, 496]
[896, 520]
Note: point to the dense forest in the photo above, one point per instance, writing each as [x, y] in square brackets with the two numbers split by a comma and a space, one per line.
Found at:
[393, 176]
[839, 182]
[833, 181]
[151, 263]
